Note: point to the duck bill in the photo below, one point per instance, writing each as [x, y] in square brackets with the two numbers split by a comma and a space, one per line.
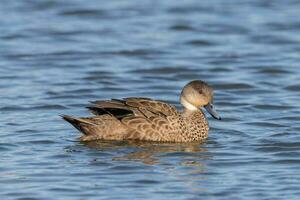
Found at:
[210, 108]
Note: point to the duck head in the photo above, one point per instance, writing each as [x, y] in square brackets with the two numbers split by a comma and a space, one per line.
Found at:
[197, 94]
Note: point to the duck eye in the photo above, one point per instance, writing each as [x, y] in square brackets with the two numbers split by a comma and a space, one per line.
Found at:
[200, 90]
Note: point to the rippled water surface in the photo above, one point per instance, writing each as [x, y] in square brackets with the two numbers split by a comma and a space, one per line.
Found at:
[55, 56]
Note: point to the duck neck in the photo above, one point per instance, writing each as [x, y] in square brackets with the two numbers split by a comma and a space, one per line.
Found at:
[194, 116]
[189, 113]
[187, 105]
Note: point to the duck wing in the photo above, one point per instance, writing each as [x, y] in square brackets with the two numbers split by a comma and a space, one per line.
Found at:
[159, 120]
[129, 118]
[145, 119]
[132, 106]
[154, 106]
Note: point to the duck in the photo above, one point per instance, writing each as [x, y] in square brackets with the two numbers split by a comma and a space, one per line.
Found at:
[146, 119]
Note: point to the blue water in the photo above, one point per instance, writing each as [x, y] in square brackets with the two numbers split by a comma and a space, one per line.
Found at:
[55, 56]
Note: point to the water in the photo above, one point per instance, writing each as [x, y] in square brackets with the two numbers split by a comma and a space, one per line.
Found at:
[55, 56]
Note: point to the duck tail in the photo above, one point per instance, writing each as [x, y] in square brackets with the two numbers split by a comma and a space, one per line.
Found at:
[78, 123]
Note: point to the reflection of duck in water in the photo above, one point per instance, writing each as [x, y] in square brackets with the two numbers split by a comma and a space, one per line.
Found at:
[150, 152]
[150, 120]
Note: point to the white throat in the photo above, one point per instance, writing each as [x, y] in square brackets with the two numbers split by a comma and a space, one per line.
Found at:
[187, 105]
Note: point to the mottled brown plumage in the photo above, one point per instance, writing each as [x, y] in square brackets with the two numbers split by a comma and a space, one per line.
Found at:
[148, 119]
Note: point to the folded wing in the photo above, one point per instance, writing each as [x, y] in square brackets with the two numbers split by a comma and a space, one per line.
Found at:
[145, 119]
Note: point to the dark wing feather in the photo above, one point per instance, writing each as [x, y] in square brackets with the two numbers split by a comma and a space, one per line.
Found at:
[114, 107]
[136, 106]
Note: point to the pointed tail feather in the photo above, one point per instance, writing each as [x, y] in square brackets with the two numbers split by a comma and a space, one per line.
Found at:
[72, 120]
[78, 123]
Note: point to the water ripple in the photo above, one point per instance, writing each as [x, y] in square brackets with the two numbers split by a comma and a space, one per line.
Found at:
[56, 56]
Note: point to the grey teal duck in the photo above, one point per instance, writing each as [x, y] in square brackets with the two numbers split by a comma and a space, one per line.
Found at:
[149, 120]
